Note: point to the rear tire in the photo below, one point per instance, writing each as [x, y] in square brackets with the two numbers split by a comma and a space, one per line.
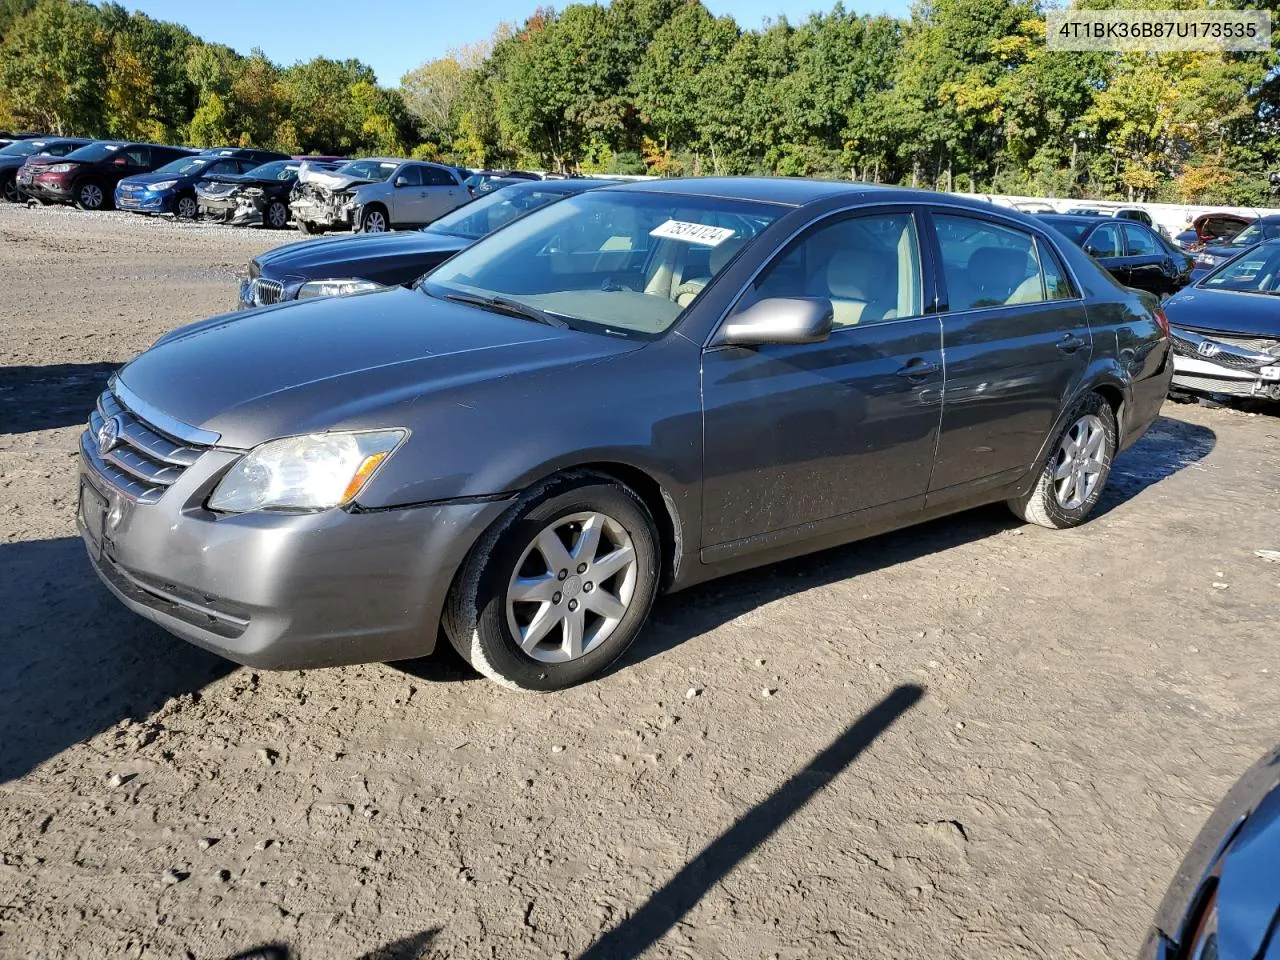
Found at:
[596, 602]
[276, 216]
[91, 195]
[1076, 472]
[9, 190]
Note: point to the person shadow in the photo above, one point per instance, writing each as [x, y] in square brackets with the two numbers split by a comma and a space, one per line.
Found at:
[50, 396]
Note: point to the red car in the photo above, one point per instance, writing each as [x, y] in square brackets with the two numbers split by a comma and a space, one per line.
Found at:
[1209, 228]
[87, 177]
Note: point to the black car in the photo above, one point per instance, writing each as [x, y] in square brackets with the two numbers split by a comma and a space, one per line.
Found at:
[88, 176]
[15, 154]
[1131, 252]
[1226, 328]
[480, 181]
[366, 261]
[258, 196]
[1213, 255]
[1224, 901]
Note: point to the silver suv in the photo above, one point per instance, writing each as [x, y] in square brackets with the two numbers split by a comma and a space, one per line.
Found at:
[374, 195]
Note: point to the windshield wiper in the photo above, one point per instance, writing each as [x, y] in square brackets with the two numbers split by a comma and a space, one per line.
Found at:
[511, 307]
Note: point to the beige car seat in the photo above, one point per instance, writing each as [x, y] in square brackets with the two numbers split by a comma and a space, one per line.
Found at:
[718, 259]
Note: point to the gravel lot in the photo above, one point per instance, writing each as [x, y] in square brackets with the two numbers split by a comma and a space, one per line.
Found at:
[983, 739]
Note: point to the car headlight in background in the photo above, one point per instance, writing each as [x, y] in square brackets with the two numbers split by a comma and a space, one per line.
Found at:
[335, 288]
[59, 168]
[312, 472]
[1208, 260]
[162, 185]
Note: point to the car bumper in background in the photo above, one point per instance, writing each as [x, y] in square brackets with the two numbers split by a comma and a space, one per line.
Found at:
[142, 201]
[51, 190]
[323, 212]
[1233, 366]
[237, 211]
[272, 590]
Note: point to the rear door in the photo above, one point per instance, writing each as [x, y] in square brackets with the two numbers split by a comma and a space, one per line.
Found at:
[443, 192]
[1016, 341]
[802, 437]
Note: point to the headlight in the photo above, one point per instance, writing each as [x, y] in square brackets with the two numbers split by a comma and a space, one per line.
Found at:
[59, 168]
[335, 288]
[162, 185]
[1209, 260]
[312, 472]
[252, 191]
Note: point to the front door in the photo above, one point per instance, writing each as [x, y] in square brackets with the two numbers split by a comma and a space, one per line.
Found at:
[815, 434]
[1150, 267]
[1105, 246]
[1017, 343]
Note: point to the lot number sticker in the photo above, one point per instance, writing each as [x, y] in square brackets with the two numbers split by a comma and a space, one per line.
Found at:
[692, 233]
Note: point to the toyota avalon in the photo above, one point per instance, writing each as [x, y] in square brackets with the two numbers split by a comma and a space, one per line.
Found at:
[632, 390]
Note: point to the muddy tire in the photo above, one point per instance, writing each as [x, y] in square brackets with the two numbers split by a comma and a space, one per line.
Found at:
[1075, 474]
[92, 195]
[558, 588]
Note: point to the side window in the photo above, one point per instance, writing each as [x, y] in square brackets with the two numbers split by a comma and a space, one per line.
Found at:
[986, 264]
[409, 175]
[1104, 242]
[868, 267]
[1056, 284]
[1141, 243]
[244, 166]
[137, 156]
[435, 177]
[223, 166]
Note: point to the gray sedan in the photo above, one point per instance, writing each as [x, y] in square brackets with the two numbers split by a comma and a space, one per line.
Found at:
[633, 390]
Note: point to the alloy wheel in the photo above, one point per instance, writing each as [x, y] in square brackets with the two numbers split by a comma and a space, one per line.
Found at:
[1080, 462]
[91, 196]
[277, 215]
[573, 585]
[375, 222]
[186, 208]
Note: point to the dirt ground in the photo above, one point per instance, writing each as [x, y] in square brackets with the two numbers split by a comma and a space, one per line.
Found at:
[984, 739]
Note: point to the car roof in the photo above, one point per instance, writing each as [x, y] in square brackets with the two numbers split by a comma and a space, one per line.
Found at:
[1076, 218]
[799, 191]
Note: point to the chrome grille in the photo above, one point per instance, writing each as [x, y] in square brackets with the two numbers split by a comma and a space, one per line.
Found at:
[265, 292]
[141, 462]
[1261, 344]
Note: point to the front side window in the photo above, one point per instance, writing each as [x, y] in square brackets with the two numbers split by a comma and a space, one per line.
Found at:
[620, 262]
[987, 265]
[1105, 242]
[137, 156]
[410, 175]
[868, 267]
[1141, 243]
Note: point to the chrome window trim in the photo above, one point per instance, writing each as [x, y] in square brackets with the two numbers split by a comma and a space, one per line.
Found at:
[156, 418]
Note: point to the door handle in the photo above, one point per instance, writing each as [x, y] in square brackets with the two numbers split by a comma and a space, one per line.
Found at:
[1070, 343]
[918, 368]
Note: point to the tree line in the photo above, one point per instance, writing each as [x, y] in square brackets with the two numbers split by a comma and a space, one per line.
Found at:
[961, 95]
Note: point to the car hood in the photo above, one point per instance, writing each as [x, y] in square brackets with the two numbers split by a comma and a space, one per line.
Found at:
[44, 160]
[146, 179]
[243, 180]
[362, 361]
[329, 180]
[311, 258]
[1225, 311]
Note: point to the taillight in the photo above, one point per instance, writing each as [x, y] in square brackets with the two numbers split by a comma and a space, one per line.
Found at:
[1163, 320]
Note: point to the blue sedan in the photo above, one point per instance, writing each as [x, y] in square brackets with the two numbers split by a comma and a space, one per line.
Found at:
[171, 188]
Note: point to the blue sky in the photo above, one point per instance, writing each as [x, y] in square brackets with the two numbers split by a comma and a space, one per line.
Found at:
[396, 35]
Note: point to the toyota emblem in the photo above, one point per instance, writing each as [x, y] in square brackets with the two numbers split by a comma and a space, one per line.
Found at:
[108, 435]
[1207, 348]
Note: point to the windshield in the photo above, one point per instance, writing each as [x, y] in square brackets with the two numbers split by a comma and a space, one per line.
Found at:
[483, 216]
[367, 169]
[614, 261]
[185, 165]
[94, 152]
[1255, 271]
[1246, 237]
[22, 148]
[1073, 230]
[275, 170]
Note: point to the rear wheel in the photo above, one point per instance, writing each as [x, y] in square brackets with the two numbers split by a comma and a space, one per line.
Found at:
[186, 208]
[277, 215]
[9, 190]
[90, 195]
[1073, 479]
[559, 588]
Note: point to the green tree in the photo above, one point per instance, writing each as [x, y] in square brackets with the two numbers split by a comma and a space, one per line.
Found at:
[51, 68]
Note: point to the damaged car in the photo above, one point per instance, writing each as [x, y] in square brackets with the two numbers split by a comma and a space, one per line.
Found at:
[1226, 328]
[374, 195]
[258, 197]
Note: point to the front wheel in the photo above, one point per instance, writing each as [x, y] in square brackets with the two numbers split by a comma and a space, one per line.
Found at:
[277, 215]
[559, 588]
[186, 208]
[374, 220]
[1076, 472]
[90, 196]
[9, 190]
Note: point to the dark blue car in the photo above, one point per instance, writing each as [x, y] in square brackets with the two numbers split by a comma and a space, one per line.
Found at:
[1213, 255]
[171, 188]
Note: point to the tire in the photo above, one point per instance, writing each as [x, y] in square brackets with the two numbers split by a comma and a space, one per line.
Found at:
[374, 219]
[276, 216]
[185, 207]
[310, 229]
[91, 195]
[1070, 485]
[9, 190]
[483, 620]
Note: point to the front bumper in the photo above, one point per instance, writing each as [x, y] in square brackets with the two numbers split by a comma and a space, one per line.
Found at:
[323, 211]
[1203, 364]
[53, 191]
[273, 590]
[236, 211]
[143, 201]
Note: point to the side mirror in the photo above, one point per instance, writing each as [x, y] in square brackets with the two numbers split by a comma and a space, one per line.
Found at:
[779, 320]
[402, 181]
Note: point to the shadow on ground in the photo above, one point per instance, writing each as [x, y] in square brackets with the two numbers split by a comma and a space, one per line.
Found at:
[76, 662]
[48, 397]
[412, 947]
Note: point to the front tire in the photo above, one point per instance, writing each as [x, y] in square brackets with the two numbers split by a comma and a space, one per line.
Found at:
[9, 190]
[559, 587]
[185, 207]
[374, 220]
[91, 195]
[1073, 478]
[277, 215]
